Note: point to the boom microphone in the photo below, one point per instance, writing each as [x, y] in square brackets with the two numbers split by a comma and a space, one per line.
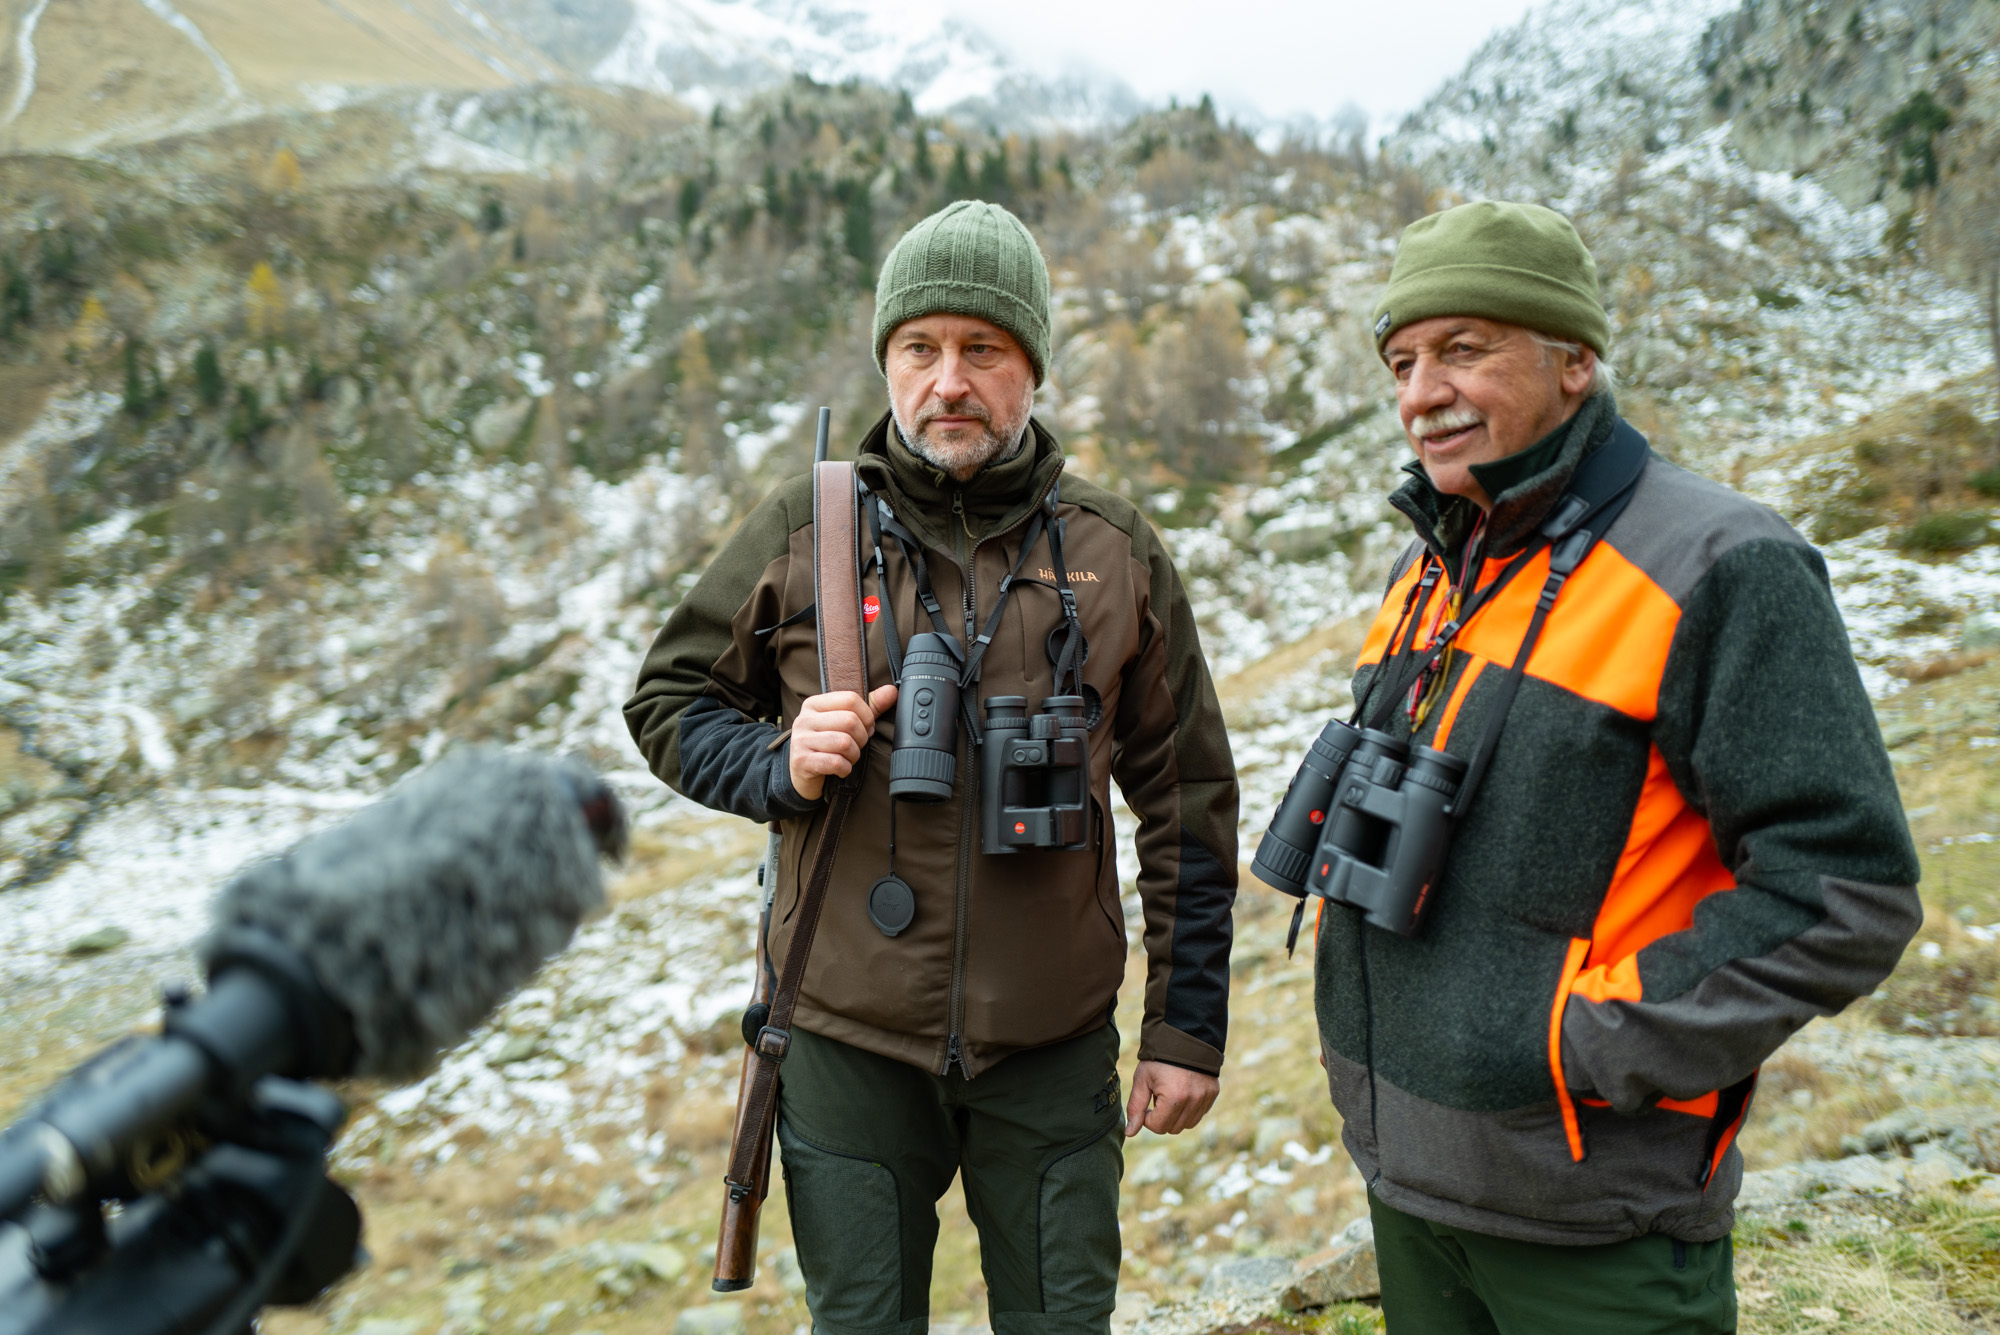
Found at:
[367, 949]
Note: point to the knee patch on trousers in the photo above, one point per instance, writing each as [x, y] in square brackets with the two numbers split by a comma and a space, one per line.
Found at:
[842, 1207]
[1078, 1223]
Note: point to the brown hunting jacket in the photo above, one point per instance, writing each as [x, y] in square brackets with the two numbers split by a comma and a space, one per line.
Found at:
[1010, 951]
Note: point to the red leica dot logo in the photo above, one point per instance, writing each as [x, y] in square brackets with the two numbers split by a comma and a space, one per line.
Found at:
[1318, 816]
[1020, 827]
[871, 607]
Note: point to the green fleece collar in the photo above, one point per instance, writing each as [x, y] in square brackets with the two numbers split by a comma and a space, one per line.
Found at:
[1524, 486]
[997, 498]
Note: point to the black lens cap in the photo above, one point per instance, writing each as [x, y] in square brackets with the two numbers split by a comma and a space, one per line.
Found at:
[892, 905]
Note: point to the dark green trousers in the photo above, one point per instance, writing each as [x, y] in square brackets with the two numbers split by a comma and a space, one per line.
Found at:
[1438, 1280]
[869, 1145]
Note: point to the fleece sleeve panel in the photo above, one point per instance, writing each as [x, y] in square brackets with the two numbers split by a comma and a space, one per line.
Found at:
[1768, 733]
[706, 708]
[1172, 762]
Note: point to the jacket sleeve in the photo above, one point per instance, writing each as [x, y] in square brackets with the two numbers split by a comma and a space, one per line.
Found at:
[1171, 759]
[705, 709]
[1763, 723]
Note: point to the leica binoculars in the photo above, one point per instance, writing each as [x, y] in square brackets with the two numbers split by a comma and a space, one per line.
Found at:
[1034, 770]
[1365, 822]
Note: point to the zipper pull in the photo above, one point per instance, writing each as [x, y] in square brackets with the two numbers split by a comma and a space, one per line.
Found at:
[958, 508]
[952, 1056]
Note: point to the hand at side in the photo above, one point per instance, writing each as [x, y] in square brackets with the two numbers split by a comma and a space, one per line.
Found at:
[1168, 1099]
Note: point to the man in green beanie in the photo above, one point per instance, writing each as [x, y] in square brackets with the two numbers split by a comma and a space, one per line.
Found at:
[962, 1025]
[1674, 837]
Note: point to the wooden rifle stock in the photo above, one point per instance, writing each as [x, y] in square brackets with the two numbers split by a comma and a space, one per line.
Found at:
[736, 1242]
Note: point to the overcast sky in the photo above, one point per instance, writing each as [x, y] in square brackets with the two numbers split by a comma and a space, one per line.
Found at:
[1282, 57]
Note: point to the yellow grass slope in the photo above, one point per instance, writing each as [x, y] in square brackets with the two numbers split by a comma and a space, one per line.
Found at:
[76, 74]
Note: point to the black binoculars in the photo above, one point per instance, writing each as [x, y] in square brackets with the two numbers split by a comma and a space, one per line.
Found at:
[1034, 772]
[1034, 775]
[1366, 822]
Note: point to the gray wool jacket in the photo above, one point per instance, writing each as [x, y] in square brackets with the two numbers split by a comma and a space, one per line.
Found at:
[1689, 843]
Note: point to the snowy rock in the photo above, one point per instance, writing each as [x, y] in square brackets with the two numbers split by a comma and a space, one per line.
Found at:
[24, 779]
[1859, 1175]
[1273, 1132]
[35, 831]
[713, 1319]
[1342, 1273]
[498, 423]
[99, 941]
[518, 1048]
[1255, 1277]
[1935, 1170]
[1905, 1126]
[660, 1260]
[1975, 1138]
[1133, 1307]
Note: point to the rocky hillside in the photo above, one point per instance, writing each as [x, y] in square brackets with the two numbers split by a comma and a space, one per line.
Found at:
[84, 74]
[333, 435]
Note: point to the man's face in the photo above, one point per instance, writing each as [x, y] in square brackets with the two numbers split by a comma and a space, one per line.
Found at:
[961, 390]
[1470, 391]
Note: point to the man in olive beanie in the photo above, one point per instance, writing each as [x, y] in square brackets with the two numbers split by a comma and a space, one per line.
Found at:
[1675, 840]
[955, 1017]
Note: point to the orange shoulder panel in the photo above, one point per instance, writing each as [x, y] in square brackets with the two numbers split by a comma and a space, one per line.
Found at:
[1606, 640]
[1376, 646]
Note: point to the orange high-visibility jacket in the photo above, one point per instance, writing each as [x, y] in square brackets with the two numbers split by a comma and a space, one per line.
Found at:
[1689, 844]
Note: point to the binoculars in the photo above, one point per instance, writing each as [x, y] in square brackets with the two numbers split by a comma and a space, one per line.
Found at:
[1366, 822]
[1034, 772]
[1034, 775]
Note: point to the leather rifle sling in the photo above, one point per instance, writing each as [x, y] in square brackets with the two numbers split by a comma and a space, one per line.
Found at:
[843, 666]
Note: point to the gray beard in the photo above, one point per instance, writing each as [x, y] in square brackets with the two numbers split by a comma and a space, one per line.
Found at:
[948, 459]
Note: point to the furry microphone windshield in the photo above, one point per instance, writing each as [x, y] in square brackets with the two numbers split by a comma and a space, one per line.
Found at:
[420, 914]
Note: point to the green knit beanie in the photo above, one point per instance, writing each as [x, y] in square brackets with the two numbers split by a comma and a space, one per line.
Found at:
[968, 258]
[1518, 263]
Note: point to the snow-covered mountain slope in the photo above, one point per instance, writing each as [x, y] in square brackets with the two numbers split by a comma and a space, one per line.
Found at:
[1593, 80]
[715, 50]
[88, 73]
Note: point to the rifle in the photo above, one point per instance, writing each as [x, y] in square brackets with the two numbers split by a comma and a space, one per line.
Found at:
[736, 1244]
[767, 1033]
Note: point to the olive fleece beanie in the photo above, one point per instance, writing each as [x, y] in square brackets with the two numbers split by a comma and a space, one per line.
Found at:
[968, 258]
[1518, 263]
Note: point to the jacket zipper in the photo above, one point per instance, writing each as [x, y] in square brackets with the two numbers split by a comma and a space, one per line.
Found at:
[969, 787]
[968, 808]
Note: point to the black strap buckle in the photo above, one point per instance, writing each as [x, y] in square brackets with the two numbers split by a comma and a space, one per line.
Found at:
[1568, 551]
[774, 1043]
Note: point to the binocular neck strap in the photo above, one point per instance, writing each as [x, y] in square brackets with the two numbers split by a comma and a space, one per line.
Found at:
[1408, 666]
[890, 639]
[883, 520]
[976, 651]
[1393, 664]
[1564, 557]
[1070, 661]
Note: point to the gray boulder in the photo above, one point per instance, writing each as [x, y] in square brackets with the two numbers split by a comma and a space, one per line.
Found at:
[1341, 1274]
[1247, 1277]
